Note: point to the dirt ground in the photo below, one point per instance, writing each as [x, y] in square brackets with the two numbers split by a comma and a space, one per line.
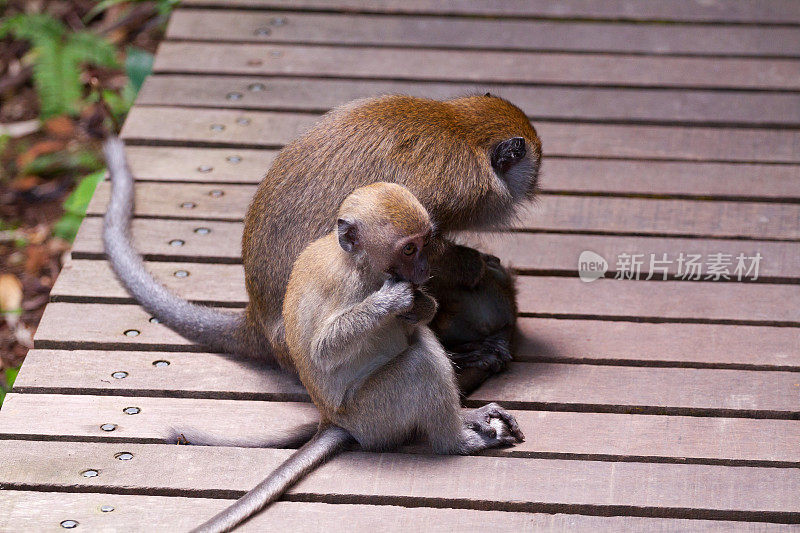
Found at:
[32, 199]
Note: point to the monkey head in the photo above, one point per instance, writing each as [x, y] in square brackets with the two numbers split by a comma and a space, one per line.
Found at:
[386, 230]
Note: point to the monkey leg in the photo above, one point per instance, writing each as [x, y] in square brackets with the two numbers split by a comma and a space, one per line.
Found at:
[476, 324]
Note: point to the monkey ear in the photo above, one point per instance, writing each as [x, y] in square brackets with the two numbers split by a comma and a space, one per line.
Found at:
[507, 154]
[348, 234]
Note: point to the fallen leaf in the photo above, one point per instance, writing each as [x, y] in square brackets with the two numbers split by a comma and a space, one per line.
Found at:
[10, 293]
[61, 126]
[40, 148]
[37, 257]
[25, 183]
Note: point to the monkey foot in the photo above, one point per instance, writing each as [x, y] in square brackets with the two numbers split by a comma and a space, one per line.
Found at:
[494, 425]
[490, 354]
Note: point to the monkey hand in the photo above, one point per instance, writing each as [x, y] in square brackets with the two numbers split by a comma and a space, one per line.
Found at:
[395, 297]
[423, 310]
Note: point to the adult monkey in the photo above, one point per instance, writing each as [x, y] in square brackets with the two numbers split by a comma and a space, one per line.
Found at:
[470, 161]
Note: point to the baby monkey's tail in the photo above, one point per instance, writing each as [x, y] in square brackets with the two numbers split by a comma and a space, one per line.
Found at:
[320, 448]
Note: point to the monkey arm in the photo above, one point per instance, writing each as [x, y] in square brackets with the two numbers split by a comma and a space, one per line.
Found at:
[359, 321]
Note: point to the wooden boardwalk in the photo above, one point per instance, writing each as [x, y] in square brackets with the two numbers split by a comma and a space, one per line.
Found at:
[669, 127]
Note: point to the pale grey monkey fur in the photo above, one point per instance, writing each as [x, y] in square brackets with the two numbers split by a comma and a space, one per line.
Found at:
[363, 350]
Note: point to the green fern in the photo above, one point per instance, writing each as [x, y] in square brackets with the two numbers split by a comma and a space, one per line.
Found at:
[58, 55]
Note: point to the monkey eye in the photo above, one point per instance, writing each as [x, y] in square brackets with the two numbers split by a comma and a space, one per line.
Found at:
[427, 240]
[409, 248]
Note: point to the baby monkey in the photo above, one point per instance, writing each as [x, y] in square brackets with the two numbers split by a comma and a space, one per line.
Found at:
[356, 327]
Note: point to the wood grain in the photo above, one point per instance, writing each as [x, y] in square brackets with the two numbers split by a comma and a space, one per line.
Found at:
[540, 103]
[697, 491]
[465, 33]
[536, 253]
[580, 435]
[754, 220]
[44, 511]
[478, 66]
[731, 11]
[163, 125]
[223, 285]
[102, 326]
[607, 176]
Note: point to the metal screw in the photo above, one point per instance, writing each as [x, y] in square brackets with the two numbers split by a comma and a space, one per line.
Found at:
[254, 62]
[188, 205]
[244, 121]
[181, 274]
[131, 410]
[69, 524]
[202, 231]
[160, 363]
[276, 53]
[90, 473]
[119, 375]
[131, 332]
[106, 508]
[154, 320]
[205, 168]
[217, 127]
[280, 21]
[257, 87]
[261, 32]
[123, 456]
[233, 159]
[176, 242]
[234, 96]
[108, 427]
[216, 193]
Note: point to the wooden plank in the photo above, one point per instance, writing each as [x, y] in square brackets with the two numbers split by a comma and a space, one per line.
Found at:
[223, 285]
[196, 375]
[732, 11]
[89, 281]
[84, 326]
[164, 125]
[584, 435]
[215, 165]
[522, 251]
[540, 103]
[478, 66]
[450, 32]
[221, 244]
[44, 511]
[648, 178]
[530, 485]
[753, 220]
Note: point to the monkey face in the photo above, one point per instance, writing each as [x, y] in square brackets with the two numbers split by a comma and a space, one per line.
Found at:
[411, 259]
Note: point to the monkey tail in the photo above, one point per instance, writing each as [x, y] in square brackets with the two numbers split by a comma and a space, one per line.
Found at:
[326, 443]
[219, 331]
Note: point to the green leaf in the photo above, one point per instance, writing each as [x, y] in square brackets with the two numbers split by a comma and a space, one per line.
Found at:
[8, 382]
[138, 65]
[99, 8]
[75, 206]
[11, 375]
